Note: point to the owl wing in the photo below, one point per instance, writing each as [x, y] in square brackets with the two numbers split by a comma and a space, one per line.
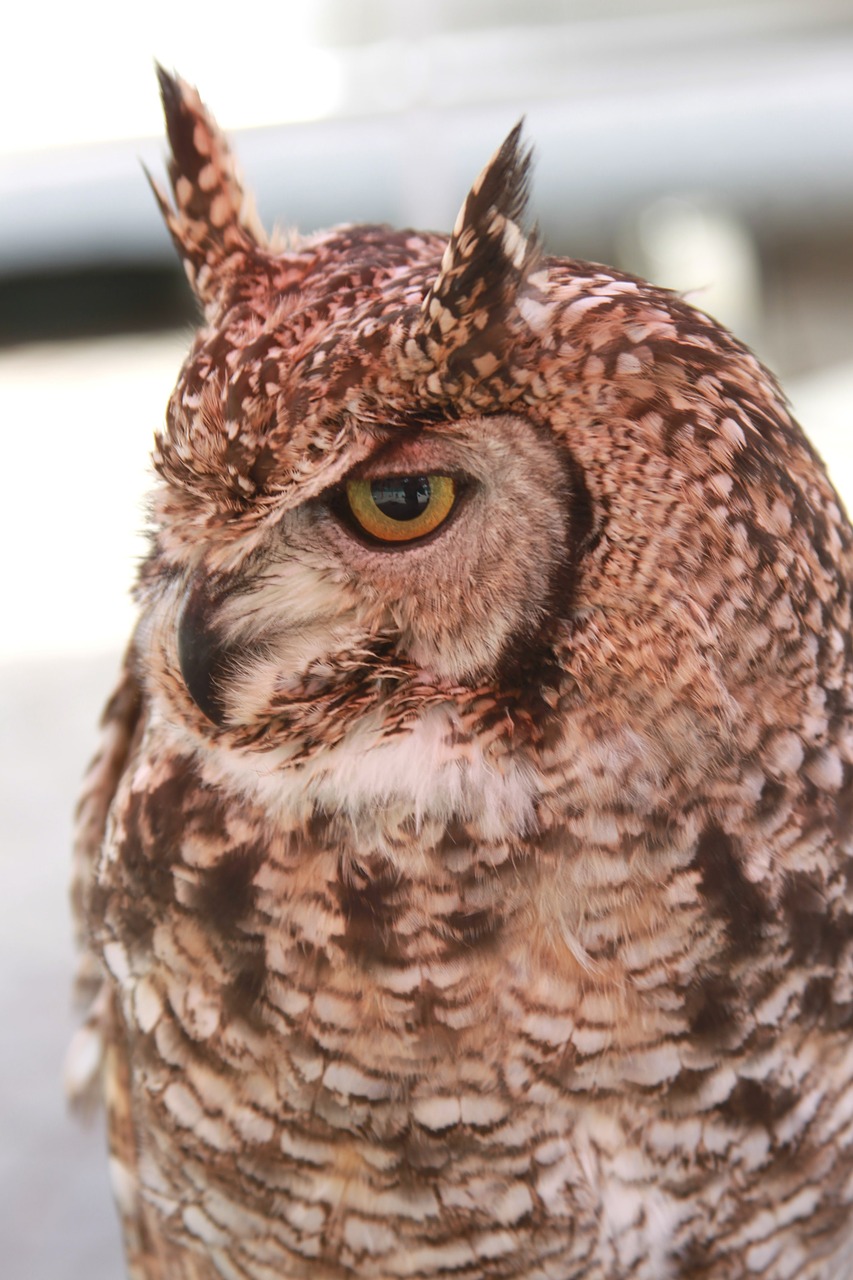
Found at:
[119, 728]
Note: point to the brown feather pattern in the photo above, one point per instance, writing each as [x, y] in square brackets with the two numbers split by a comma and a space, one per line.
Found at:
[481, 907]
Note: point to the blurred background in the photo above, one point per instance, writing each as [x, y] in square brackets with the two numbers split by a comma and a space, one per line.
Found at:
[705, 144]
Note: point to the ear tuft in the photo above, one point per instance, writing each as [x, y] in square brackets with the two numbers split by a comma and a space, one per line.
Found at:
[214, 224]
[466, 314]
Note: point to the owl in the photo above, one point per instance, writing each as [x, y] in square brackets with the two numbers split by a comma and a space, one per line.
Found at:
[465, 878]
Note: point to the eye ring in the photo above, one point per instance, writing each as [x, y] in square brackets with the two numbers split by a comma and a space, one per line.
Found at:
[397, 509]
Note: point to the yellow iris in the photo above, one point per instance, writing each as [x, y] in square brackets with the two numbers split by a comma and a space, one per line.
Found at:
[401, 508]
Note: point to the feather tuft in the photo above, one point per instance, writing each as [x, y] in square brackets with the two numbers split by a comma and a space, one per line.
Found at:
[466, 315]
[213, 224]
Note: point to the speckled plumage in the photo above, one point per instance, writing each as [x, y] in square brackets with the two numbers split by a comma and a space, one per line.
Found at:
[479, 907]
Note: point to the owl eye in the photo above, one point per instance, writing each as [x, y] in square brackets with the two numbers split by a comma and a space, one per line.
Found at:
[401, 508]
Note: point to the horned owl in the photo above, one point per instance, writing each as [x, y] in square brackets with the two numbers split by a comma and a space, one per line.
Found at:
[466, 870]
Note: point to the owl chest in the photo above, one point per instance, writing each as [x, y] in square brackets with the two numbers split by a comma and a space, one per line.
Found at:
[377, 1054]
[345, 972]
[384, 962]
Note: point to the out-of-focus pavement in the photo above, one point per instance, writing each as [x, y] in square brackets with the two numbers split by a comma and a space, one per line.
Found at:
[57, 1220]
[77, 424]
[77, 421]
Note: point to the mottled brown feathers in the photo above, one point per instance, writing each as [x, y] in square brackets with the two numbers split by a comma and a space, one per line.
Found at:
[214, 226]
[479, 904]
[467, 313]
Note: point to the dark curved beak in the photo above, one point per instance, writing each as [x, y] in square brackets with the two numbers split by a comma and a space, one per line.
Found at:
[205, 659]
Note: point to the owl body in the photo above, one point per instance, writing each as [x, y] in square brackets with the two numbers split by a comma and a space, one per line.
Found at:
[467, 865]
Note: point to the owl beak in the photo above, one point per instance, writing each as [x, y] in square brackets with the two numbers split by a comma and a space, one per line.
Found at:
[204, 658]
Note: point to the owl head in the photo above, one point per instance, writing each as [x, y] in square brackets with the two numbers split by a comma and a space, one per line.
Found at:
[402, 470]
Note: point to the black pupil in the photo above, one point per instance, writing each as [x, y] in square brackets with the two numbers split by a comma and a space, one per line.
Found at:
[401, 497]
